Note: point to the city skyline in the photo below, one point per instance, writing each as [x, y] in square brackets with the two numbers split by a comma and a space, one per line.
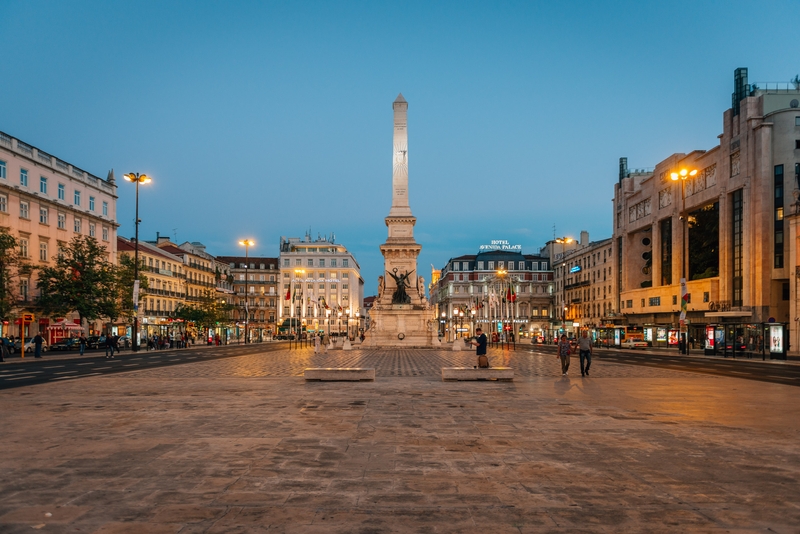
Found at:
[274, 120]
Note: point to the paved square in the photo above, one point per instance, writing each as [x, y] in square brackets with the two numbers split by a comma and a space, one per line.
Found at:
[246, 445]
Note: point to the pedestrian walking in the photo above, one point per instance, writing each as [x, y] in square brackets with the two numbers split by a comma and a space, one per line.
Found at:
[82, 341]
[480, 350]
[37, 344]
[563, 353]
[585, 348]
[317, 342]
[109, 347]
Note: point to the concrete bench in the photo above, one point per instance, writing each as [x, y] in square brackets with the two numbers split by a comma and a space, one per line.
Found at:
[339, 373]
[472, 373]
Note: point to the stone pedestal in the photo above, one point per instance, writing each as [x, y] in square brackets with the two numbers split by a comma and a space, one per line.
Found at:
[402, 325]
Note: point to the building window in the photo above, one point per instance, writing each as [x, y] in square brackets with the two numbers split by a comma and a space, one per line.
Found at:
[105, 233]
[629, 304]
[43, 185]
[778, 237]
[345, 275]
[797, 144]
[91, 203]
[501, 264]
[62, 192]
[333, 286]
[480, 265]
[43, 251]
[333, 262]
[4, 203]
[738, 214]
[91, 230]
[286, 262]
[511, 266]
[23, 247]
[345, 286]
[310, 262]
[23, 210]
[77, 225]
[77, 199]
[666, 252]
[43, 216]
[455, 265]
[62, 221]
[23, 177]
[2, 169]
[322, 262]
[105, 208]
[322, 287]
[345, 263]
[674, 299]
[491, 266]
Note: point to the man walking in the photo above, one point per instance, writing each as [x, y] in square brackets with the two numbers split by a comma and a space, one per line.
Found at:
[37, 343]
[585, 347]
[109, 347]
[480, 351]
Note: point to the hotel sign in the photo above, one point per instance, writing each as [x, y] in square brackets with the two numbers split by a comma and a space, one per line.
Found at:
[501, 244]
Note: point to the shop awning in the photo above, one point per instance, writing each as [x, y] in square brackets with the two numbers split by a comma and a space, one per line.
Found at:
[64, 325]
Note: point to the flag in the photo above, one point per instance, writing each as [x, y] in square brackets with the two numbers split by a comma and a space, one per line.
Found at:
[513, 294]
[684, 301]
[294, 296]
[288, 293]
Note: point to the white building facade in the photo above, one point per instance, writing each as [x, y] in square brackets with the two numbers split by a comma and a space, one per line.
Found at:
[321, 286]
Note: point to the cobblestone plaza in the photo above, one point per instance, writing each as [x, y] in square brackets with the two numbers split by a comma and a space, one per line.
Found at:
[244, 444]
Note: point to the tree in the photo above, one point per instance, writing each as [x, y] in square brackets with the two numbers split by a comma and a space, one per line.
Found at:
[82, 280]
[209, 311]
[123, 288]
[10, 265]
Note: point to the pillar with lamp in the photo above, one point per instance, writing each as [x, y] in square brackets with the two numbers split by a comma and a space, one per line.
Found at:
[683, 337]
[137, 179]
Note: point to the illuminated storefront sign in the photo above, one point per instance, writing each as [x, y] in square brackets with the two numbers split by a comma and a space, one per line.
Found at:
[575, 269]
[501, 244]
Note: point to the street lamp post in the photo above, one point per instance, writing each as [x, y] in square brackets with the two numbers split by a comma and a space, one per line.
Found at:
[246, 243]
[444, 323]
[136, 178]
[683, 337]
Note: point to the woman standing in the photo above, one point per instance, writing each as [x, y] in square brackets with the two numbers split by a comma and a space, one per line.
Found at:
[563, 353]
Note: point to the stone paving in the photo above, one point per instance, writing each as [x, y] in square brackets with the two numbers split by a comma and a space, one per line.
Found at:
[245, 445]
[400, 363]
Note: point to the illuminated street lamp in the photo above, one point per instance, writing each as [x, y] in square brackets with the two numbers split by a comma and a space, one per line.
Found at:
[683, 337]
[136, 178]
[444, 321]
[299, 275]
[246, 243]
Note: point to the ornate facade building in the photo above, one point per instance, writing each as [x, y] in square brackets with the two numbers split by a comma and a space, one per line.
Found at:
[496, 290]
[320, 286]
[44, 203]
[166, 280]
[255, 295]
[583, 272]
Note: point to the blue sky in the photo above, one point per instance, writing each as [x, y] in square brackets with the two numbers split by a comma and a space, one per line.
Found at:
[263, 119]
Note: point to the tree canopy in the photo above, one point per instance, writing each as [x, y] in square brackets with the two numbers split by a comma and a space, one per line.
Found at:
[82, 280]
[10, 264]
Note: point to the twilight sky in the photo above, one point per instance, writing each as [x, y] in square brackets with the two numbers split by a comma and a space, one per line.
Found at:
[267, 119]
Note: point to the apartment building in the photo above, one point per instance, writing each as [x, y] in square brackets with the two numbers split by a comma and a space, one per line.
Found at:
[44, 203]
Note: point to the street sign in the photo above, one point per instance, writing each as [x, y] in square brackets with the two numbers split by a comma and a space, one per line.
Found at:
[27, 317]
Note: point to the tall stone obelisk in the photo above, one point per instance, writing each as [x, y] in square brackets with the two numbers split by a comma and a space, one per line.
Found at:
[401, 315]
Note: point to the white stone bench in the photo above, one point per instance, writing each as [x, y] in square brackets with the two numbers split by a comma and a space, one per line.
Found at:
[472, 373]
[339, 373]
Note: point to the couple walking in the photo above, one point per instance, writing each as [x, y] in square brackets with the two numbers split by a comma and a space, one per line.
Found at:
[585, 348]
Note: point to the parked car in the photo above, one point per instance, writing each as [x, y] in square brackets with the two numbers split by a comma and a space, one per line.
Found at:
[68, 343]
[29, 346]
[96, 342]
[124, 342]
[634, 344]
